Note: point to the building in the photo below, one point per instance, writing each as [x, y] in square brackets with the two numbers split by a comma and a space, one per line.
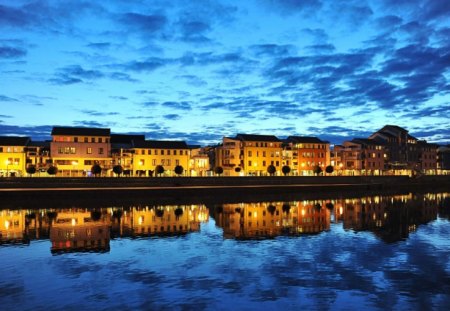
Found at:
[38, 155]
[12, 156]
[166, 154]
[74, 150]
[122, 151]
[359, 156]
[306, 154]
[249, 154]
[199, 161]
[428, 161]
[443, 158]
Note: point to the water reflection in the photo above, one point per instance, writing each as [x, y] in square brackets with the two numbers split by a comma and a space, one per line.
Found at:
[78, 229]
[268, 220]
[391, 218]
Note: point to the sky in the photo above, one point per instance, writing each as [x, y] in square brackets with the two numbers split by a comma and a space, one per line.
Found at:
[199, 70]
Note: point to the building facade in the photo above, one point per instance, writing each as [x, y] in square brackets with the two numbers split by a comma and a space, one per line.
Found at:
[74, 150]
[306, 154]
[13, 156]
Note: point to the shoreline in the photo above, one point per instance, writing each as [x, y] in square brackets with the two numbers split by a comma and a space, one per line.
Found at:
[97, 192]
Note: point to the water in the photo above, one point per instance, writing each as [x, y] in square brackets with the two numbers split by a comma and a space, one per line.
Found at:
[373, 253]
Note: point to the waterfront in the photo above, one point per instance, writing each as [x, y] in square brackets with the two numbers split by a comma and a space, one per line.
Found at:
[375, 252]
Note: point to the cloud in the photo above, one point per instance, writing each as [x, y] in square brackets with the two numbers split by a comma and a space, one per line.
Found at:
[321, 48]
[295, 6]
[10, 52]
[40, 132]
[15, 17]
[194, 31]
[99, 45]
[4, 98]
[186, 106]
[94, 113]
[172, 116]
[86, 123]
[147, 25]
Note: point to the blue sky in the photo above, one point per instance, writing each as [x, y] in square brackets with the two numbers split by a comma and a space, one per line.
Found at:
[199, 70]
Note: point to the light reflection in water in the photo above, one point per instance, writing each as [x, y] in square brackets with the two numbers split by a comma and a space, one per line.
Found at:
[374, 253]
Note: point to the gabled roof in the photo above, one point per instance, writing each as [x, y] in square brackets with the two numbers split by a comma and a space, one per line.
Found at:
[254, 137]
[42, 144]
[305, 140]
[125, 138]
[14, 141]
[160, 144]
[80, 131]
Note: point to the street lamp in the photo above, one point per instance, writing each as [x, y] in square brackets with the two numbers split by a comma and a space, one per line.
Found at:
[7, 162]
[74, 163]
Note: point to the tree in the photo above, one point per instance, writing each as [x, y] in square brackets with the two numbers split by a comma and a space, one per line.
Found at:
[286, 169]
[118, 170]
[179, 170]
[271, 170]
[329, 169]
[237, 169]
[271, 209]
[52, 170]
[159, 170]
[218, 170]
[286, 208]
[317, 170]
[178, 212]
[96, 169]
[31, 169]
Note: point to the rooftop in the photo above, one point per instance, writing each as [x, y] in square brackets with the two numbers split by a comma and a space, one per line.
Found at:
[305, 140]
[160, 144]
[80, 131]
[14, 141]
[254, 137]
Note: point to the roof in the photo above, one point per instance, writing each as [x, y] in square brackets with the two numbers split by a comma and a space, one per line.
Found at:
[81, 131]
[254, 137]
[14, 141]
[305, 140]
[366, 141]
[42, 144]
[160, 144]
[125, 138]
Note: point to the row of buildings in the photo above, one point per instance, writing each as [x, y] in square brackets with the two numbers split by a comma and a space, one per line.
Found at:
[74, 150]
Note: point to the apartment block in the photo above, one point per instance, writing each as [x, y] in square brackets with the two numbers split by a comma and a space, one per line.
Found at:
[12, 156]
[75, 150]
[306, 154]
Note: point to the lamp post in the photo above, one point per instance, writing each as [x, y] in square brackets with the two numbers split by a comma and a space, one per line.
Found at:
[7, 162]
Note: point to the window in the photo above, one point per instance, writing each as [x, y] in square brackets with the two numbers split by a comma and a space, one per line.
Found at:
[249, 153]
[154, 162]
[60, 150]
[264, 163]
[168, 152]
[177, 162]
[66, 150]
[162, 152]
[174, 152]
[156, 152]
[92, 139]
[75, 139]
[89, 150]
[264, 153]
[149, 151]
[249, 163]
[100, 140]
[86, 140]
[73, 150]
[100, 150]
[1, 149]
[168, 162]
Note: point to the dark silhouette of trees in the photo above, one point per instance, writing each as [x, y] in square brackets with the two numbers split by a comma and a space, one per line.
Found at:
[178, 212]
[31, 170]
[96, 169]
[317, 170]
[237, 169]
[286, 169]
[159, 170]
[179, 170]
[118, 170]
[52, 170]
[286, 208]
[271, 170]
[329, 169]
[271, 209]
[218, 170]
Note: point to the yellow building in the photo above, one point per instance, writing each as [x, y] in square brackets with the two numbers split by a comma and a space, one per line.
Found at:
[38, 155]
[12, 156]
[249, 155]
[149, 154]
[198, 162]
[75, 150]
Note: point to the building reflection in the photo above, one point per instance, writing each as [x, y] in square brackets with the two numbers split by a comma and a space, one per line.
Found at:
[391, 218]
[268, 220]
[90, 230]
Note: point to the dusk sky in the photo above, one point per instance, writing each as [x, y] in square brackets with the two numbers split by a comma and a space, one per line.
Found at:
[199, 70]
